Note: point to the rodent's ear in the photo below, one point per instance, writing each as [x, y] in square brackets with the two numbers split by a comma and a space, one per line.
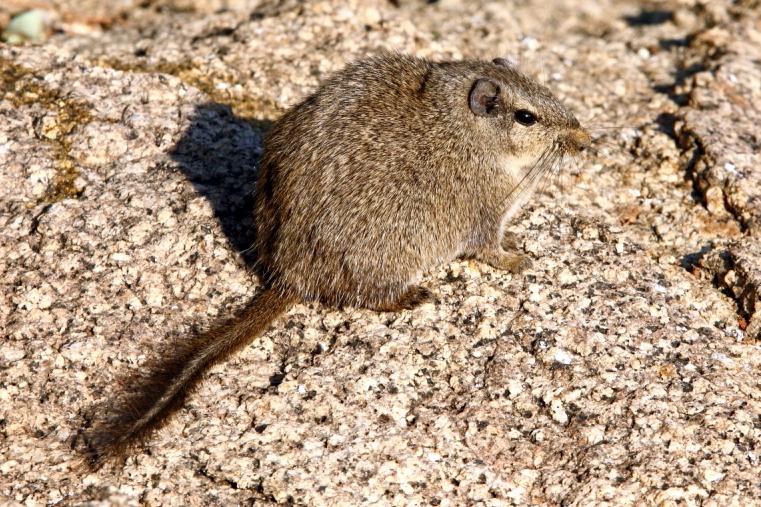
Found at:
[484, 98]
[503, 62]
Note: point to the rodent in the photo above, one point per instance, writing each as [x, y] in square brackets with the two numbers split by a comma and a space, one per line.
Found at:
[394, 165]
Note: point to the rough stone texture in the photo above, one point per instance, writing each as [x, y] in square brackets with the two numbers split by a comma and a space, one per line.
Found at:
[736, 270]
[722, 86]
[622, 368]
[71, 16]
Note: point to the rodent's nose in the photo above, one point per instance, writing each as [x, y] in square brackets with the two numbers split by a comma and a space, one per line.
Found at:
[579, 140]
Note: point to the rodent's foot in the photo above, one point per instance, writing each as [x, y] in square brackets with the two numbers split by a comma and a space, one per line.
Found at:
[519, 264]
[506, 261]
[415, 296]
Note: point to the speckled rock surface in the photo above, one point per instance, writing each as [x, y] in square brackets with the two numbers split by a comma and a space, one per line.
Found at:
[736, 270]
[621, 369]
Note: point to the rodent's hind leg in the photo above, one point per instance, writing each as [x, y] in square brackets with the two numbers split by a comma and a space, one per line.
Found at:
[510, 260]
[414, 296]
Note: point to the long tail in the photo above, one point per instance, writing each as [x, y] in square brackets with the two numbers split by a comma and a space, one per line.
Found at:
[154, 395]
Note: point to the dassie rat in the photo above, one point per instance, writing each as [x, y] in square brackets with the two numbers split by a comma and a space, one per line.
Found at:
[393, 166]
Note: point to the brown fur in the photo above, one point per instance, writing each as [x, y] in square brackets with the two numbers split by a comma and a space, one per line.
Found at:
[393, 166]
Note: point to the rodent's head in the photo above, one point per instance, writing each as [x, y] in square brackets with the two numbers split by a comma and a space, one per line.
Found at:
[519, 116]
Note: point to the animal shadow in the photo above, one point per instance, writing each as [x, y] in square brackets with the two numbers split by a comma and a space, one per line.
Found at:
[219, 154]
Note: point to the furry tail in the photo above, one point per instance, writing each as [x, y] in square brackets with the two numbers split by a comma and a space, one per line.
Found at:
[155, 394]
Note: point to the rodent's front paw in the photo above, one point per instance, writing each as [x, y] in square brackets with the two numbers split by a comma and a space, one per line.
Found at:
[507, 261]
[516, 263]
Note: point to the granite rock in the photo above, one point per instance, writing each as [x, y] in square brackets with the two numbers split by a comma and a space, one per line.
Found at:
[621, 369]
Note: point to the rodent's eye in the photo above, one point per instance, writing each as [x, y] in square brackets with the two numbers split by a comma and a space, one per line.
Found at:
[525, 117]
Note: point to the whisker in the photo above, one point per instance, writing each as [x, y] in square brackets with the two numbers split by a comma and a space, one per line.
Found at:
[542, 185]
[604, 142]
[553, 171]
[529, 174]
[540, 168]
[555, 179]
[611, 127]
[246, 250]
[562, 183]
[602, 137]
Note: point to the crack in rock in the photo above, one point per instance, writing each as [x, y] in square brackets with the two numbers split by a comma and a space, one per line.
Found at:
[736, 272]
[717, 127]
